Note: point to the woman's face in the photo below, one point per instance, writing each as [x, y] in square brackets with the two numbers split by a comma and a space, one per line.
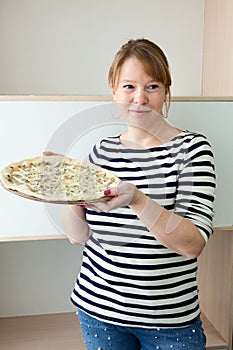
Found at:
[137, 91]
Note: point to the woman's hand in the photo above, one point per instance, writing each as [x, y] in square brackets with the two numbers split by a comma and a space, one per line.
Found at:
[120, 196]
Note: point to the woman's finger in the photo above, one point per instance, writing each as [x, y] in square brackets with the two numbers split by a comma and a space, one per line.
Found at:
[49, 153]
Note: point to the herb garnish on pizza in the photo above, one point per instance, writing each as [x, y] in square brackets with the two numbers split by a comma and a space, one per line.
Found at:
[57, 179]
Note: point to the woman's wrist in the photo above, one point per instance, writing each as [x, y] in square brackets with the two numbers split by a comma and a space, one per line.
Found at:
[145, 208]
[139, 200]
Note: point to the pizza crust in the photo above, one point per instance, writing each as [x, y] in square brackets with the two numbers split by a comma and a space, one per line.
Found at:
[57, 179]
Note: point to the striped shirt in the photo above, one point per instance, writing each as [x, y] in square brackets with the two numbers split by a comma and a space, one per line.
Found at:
[127, 277]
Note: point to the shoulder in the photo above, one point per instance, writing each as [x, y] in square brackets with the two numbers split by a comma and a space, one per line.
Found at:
[108, 144]
[104, 149]
[189, 143]
[194, 140]
[192, 136]
[197, 149]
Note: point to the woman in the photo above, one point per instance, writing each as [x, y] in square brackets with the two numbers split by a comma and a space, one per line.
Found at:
[137, 286]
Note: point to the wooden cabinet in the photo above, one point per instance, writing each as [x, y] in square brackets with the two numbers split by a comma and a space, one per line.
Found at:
[218, 48]
[215, 278]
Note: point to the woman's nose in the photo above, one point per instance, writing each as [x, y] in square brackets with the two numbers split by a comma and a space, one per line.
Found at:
[140, 97]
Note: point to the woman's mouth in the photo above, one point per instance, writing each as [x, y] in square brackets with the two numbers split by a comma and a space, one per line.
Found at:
[139, 111]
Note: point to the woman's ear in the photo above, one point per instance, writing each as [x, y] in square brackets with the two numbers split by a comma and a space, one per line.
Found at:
[113, 93]
[167, 95]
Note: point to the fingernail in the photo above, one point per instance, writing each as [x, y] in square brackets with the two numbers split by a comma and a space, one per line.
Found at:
[81, 205]
[107, 192]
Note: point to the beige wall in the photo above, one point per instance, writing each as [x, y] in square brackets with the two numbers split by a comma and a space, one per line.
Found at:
[66, 46]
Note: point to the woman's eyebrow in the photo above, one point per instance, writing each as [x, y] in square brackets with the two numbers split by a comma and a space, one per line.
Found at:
[127, 81]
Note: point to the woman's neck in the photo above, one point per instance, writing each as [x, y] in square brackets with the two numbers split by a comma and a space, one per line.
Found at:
[158, 135]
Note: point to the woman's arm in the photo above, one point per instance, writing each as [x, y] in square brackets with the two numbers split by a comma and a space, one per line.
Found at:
[74, 223]
[73, 218]
[171, 230]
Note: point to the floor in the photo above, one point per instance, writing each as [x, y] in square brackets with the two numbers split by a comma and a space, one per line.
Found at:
[46, 332]
[62, 332]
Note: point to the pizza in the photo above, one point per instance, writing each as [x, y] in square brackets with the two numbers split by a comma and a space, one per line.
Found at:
[57, 179]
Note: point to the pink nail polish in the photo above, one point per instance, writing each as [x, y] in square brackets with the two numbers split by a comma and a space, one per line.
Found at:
[107, 192]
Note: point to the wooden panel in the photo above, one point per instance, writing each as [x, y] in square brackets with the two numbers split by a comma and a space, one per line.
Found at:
[214, 339]
[103, 98]
[218, 48]
[62, 332]
[215, 282]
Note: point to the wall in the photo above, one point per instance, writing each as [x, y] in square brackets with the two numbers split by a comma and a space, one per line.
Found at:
[51, 47]
[37, 276]
[72, 127]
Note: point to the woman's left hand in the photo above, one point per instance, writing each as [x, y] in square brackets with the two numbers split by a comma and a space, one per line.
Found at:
[120, 196]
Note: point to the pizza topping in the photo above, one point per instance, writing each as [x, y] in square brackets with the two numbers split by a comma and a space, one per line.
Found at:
[58, 178]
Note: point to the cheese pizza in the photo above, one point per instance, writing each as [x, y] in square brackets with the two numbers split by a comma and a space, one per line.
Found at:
[57, 179]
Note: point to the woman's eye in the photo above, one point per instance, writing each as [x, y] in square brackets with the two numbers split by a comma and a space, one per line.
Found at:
[152, 87]
[128, 87]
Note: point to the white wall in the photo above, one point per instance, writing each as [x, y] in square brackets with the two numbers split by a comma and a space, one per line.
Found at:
[72, 128]
[37, 277]
[66, 46]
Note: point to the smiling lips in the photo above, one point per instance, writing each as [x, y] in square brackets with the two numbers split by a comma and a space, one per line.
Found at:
[139, 111]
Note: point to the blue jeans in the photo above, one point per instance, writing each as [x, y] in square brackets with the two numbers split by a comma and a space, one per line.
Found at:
[100, 335]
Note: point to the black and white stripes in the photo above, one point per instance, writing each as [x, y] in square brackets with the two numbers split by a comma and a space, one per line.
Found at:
[127, 276]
